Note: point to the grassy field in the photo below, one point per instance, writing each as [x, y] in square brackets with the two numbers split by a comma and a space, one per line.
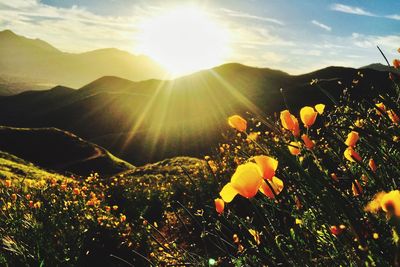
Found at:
[311, 187]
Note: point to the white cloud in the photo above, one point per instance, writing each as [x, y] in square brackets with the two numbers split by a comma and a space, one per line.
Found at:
[70, 29]
[389, 42]
[239, 14]
[321, 25]
[351, 10]
[394, 16]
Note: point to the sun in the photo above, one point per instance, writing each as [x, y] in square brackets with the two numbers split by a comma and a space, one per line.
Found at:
[184, 39]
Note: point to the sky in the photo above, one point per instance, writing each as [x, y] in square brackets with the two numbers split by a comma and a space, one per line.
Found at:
[295, 36]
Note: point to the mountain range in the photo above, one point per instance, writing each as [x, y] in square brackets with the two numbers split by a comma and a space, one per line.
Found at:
[151, 120]
[35, 64]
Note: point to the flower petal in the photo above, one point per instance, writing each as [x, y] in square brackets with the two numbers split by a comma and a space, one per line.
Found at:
[320, 108]
[228, 192]
[267, 165]
[247, 179]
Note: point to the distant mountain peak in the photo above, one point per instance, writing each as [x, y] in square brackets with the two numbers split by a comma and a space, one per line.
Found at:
[7, 33]
[9, 38]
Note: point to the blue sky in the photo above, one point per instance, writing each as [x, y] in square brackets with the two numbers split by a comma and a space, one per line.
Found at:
[293, 35]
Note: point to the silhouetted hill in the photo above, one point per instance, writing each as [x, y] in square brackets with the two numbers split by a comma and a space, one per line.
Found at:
[59, 150]
[151, 120]
[36, 62]
[381, 67]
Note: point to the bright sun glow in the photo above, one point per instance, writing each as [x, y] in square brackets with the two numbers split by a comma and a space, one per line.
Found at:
[184, 40]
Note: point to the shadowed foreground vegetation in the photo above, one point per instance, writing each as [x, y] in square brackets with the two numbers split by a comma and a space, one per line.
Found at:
[310, 188]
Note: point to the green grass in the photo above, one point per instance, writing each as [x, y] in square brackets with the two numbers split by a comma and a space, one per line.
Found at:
[12, 167]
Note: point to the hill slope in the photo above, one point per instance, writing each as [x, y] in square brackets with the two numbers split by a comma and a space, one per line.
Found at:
[12, 167]
[151, 120]
[60, 151]
[33, 62]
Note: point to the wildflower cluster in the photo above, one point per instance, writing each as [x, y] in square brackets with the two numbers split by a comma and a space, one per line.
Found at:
[337, 165]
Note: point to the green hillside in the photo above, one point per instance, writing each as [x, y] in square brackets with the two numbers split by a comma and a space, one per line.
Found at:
[15, 168]
[59, 150]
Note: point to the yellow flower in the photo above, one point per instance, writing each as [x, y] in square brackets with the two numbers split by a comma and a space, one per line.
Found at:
[294, 148]
[372, 165]
[387, 202]
[381, 108]
[308, 116]
[256, 236]
[252, 136]
[275, 184]
[307, 141]
[7, 183]
[393, 116]
[37, 205]
[237, 123]
[359, 123]
[351, 155]
[390, 203]
[267, 165]
[352, 139]
[356, 188]
[290, 122]
[375, 204]
[246, 181]
[219, 205]
[320, 108]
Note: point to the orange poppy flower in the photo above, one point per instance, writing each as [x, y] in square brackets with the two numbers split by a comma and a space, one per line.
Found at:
[351, 155]
[275, 184]
[334, 177]
[356, 188]
[308, 116]
[396, 63]
[290, 122]
[307, 141]
[320, 108]
[246, 182]
[381, 107]
[375, 204]
[237, 123]
[393, 116]
[352, 139]
[219, 205]
[294, 148]
[335, 230]
[372, 165]
[267, 166]
[296, 130]
[390, 203]
[7, 183]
